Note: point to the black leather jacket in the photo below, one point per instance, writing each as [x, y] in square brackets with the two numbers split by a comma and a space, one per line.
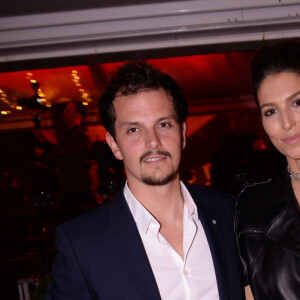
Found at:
[268, 236]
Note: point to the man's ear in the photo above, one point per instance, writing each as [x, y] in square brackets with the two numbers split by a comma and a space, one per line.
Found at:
[113, 146]
[183, 132]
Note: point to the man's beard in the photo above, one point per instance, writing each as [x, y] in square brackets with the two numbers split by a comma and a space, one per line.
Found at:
[151, 180]
[158, 181]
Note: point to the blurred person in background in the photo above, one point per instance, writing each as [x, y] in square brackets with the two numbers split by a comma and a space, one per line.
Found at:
[71, 157]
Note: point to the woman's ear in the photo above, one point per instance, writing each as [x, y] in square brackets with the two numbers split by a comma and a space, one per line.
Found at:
[113, 146]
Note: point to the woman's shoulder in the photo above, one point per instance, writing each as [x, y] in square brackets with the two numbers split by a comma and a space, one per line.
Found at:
[257, 203]
[267, 192]
[252, 193]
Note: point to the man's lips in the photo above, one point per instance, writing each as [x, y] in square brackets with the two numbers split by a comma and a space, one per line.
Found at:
[292, 139]
[153, 157]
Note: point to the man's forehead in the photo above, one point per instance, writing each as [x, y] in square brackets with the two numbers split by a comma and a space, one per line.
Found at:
[140, 121]
[151, 105]
[124, 94]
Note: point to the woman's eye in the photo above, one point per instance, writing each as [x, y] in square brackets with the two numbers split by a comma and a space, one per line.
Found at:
[269, 112]
[296, 103]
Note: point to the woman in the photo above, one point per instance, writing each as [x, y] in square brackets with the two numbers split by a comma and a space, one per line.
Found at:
[268, 217]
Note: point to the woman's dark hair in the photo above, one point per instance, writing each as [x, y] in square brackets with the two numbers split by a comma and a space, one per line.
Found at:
[274, 58]
[132, 78]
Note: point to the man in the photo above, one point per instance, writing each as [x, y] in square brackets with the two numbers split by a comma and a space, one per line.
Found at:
[158, 239]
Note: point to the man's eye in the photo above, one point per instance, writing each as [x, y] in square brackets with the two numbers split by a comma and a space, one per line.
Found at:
[165, 124]
[132, 130]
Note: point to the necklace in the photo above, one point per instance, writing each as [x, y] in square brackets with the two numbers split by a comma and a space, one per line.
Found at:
[293, 175]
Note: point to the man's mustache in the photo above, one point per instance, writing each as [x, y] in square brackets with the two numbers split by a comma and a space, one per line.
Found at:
[149, 153]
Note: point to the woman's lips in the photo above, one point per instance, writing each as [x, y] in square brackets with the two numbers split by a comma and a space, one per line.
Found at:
[292, 139]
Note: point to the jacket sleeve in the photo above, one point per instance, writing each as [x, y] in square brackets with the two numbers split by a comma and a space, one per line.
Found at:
[243, 264]
[67, 282]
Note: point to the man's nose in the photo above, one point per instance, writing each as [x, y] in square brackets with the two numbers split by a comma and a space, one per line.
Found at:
[152, 140]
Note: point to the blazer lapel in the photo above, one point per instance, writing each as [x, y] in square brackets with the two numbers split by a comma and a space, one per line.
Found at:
[130, 253]
[215, 238]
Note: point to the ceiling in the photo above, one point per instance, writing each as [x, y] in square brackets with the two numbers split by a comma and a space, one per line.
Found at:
[212, 82]
[70, 48]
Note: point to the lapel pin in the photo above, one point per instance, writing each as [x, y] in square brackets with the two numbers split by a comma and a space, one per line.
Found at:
[214, 221]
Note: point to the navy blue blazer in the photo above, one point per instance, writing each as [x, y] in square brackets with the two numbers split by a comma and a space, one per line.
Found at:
[100, 254]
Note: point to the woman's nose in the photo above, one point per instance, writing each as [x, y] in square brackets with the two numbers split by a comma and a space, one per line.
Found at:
[287, 120]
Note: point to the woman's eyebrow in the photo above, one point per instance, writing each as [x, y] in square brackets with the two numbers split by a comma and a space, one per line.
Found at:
[266, 105]
[293, 95]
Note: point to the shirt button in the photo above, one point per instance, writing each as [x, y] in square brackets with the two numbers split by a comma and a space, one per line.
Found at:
[185, 272]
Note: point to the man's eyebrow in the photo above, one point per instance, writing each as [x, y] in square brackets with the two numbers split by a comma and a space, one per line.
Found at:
[166, 118]
[130, 123]
[139, 123]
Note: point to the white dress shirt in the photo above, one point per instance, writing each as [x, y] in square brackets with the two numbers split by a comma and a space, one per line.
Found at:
[189, 278]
